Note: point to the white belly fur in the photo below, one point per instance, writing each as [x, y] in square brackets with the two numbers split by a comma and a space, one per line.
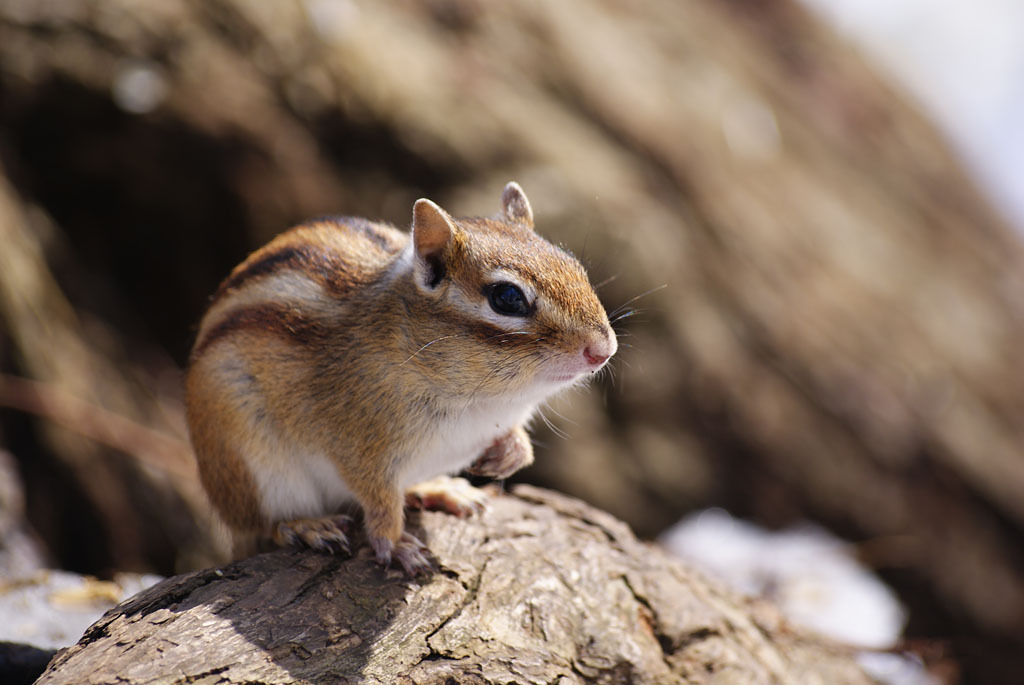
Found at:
[293, 482]
[457, 444]
[296, 482]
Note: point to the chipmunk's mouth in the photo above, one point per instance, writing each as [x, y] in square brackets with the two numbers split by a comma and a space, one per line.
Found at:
[569, 368]
[563, 378]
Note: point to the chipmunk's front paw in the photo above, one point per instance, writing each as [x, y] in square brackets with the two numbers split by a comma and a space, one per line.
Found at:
[321, 534]
[505, 456]
[410, 553]
[444, 493]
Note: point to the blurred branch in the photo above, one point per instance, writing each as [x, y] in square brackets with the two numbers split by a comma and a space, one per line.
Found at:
[165, 453]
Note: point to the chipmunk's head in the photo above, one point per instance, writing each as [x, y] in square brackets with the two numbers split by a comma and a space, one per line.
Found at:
[521, 314]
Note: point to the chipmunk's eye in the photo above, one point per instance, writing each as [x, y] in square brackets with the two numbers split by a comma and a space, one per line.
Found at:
[508, 299]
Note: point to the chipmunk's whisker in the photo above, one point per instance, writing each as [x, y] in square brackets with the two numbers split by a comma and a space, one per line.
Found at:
[443, 337]
[634, 299]
[547, 422]
[622, 315]
[562, 416]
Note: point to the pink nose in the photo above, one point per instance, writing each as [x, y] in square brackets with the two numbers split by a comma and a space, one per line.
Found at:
[594, 358]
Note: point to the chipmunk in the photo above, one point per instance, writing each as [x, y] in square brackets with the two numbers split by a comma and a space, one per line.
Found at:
[347, 361]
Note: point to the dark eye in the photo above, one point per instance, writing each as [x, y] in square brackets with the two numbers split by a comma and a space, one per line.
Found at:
[508, 299]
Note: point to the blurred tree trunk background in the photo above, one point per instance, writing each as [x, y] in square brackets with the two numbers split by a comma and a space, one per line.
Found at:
[826, 318]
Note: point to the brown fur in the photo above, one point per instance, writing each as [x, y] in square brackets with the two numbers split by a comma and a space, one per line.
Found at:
[322, 250]
[224, 475]
[267, 318]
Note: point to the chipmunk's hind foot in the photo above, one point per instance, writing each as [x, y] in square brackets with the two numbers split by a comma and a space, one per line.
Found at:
[445, 493]
[328, 534]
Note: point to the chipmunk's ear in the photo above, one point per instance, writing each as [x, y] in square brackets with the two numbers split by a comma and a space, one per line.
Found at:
[432, 230]
[515, 206]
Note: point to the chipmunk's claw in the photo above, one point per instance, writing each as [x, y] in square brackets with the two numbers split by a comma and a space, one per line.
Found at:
[321, 534]
[409, 553]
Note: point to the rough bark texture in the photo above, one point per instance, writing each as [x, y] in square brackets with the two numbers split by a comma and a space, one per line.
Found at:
[840, 334]
[541, 589]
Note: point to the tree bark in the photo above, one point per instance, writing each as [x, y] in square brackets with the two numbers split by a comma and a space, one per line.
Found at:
[539, 589]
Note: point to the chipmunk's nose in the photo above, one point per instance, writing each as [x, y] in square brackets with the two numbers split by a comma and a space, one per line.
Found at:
[593, 357]
[598, 351]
